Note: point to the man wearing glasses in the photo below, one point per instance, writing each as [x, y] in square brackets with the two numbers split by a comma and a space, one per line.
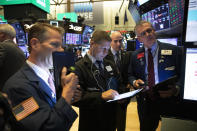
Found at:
[150, 65]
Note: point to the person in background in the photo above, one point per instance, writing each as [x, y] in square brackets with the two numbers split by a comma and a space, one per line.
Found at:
[97, 78]
[121, 59]
[7, 119]
[78, 55]
[152, 64]
[32, 91]
[11, 56]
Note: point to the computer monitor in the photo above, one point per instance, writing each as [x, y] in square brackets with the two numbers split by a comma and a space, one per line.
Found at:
[158, 17]
[173, 41]
[190, 22]
[190, 79]
[24, 48]
[17, 26]
[176, 12]
[72, 38]
[87, 32]
[21, 37]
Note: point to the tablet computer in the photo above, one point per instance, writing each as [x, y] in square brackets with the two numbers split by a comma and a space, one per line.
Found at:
[60, 60]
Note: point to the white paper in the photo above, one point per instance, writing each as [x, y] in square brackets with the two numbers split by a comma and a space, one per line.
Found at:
[125, 95]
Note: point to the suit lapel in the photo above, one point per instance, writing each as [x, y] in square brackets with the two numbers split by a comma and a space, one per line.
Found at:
[40, 85]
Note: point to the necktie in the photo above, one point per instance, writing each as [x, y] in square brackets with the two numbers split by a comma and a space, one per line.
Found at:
[51, 85]
[99, 63]
[151, 73]
[118, 60]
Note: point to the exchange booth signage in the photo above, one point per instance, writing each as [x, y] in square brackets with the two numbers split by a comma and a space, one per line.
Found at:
[42, 4]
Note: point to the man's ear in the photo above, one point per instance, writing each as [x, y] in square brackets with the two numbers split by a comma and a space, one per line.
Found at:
[34, 43]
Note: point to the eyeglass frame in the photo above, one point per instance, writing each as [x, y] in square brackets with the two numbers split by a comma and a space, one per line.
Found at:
[149, 30]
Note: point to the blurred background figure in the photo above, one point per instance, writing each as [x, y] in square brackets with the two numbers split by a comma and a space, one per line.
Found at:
[11, 56]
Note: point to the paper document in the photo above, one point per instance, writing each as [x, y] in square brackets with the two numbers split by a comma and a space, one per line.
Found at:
[126, 95]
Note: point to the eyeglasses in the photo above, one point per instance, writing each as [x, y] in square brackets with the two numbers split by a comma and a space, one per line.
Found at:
[149, 30]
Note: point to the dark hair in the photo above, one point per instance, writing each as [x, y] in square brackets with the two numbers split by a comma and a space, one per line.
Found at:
[40, 31]
[100, 36]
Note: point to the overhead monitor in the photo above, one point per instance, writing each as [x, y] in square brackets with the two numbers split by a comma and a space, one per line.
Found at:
[176, 12]
[172, 41]
[190, 21]
[190, 80]
[72, 38]
[87, 32]
[158, 17]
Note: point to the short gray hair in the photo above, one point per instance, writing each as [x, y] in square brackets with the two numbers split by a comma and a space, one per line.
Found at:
[8, 30]
[141, 23]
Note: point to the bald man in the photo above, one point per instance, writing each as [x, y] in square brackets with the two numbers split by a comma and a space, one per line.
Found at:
[11, 57]
[121, 59]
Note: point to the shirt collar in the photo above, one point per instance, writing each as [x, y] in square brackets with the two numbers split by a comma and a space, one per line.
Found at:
[43, 74]
[91, 57]
[113, 51]
[153, 48]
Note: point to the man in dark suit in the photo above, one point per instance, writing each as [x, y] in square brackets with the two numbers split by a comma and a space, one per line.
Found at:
[11, 57]
[121, 59]
[31, 90]
[151, 64]
[97, 78]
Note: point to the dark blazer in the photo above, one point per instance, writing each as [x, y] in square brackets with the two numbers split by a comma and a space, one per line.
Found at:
[11, 60]
[125, 60]
[50, 116]
[168, 65]
[95, 113]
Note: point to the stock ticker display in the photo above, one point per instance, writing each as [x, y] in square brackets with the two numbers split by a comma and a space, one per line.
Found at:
[176, 11]
[159, 17]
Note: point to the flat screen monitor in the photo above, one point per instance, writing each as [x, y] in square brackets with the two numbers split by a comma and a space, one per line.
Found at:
[176, 12]
[17, 26]
[158, 17]
[190, 79]
[87, 32]
[191, 21]
[24, 48]
[72, 38]
[84, 50]
[173, 41]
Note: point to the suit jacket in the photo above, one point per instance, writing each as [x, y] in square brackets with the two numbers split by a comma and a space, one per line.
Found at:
[168, 65]
[50, 116]
[125, 60]
[95, 113]
[11, 60]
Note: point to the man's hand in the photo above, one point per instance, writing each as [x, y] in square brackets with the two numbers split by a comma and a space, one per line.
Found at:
[77, 94]
[109, 95]
[69, 85]
[168, 93]
[137, 84]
